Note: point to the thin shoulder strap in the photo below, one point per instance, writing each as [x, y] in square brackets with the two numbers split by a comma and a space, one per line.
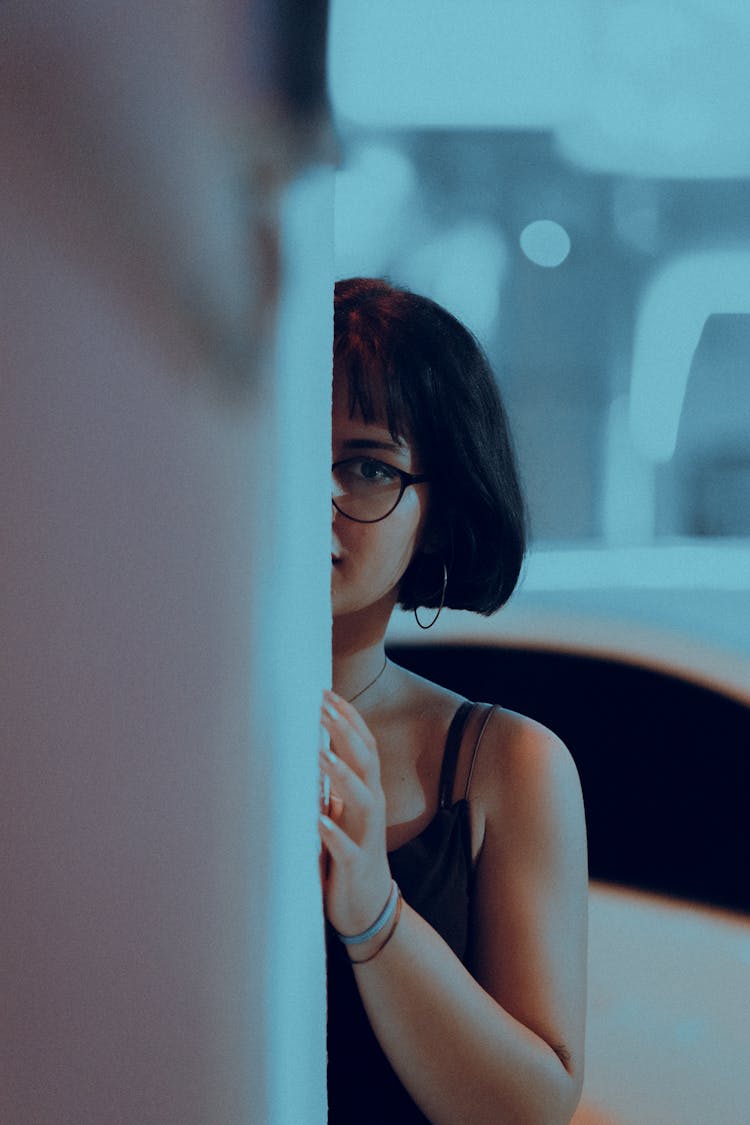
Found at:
[488, 711]
[450, 754]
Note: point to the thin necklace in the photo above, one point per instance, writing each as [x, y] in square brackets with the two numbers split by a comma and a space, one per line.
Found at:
[371, 683]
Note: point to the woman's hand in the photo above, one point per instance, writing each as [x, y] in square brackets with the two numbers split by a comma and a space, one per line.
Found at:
[358, 879]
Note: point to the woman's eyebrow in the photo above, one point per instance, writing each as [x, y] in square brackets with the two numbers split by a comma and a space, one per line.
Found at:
[372, 443]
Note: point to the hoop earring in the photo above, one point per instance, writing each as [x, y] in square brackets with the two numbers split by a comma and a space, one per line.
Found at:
[440, 607]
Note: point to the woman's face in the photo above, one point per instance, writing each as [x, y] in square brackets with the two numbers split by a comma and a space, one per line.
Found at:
[368, 560]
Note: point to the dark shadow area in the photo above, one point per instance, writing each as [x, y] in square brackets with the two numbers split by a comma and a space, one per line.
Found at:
[664, 763]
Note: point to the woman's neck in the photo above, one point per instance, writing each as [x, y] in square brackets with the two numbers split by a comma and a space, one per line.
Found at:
[358, 654]
[354, 672]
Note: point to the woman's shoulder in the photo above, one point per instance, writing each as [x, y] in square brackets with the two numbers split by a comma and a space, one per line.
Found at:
[514, 747]
[518, 739]
[524, 771]
[512, 742]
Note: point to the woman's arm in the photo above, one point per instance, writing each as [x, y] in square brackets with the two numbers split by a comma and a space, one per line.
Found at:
[506, 1047]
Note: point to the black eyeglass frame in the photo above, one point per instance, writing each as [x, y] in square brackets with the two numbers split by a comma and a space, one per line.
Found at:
[406, 480]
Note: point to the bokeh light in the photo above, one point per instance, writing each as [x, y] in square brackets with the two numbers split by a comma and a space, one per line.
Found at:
[545, 242]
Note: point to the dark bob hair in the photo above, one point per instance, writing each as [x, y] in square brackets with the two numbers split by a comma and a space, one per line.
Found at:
[409, 360]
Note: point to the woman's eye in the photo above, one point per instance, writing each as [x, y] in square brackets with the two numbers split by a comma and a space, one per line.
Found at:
[376, 470]
[373, 472]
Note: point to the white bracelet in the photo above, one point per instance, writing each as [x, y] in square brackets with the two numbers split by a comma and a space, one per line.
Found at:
[380, 922]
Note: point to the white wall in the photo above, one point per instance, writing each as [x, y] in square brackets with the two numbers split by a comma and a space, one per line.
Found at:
[149, 742]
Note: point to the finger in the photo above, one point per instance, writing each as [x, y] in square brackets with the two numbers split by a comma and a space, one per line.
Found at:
[349, 744]
[337, 808]
[353, 792]
[352, 714]
[342, 849]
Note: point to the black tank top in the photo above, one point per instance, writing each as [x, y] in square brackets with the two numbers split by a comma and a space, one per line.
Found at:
[434, 872]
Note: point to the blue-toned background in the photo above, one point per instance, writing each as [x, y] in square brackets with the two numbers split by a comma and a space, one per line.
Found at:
[572, 180]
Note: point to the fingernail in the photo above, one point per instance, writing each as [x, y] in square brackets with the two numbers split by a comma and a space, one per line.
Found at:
[330, 710]
[328, 755]
[326, 821]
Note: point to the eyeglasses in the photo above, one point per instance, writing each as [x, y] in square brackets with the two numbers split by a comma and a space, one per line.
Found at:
[366, 490]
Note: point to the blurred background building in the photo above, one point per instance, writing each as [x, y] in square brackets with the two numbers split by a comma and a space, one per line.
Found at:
[573, 180]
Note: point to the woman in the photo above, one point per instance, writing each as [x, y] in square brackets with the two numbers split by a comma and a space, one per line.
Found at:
[456, 881]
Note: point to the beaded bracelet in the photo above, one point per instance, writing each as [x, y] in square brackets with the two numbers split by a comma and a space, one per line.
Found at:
[388, 936]
[380, 922]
